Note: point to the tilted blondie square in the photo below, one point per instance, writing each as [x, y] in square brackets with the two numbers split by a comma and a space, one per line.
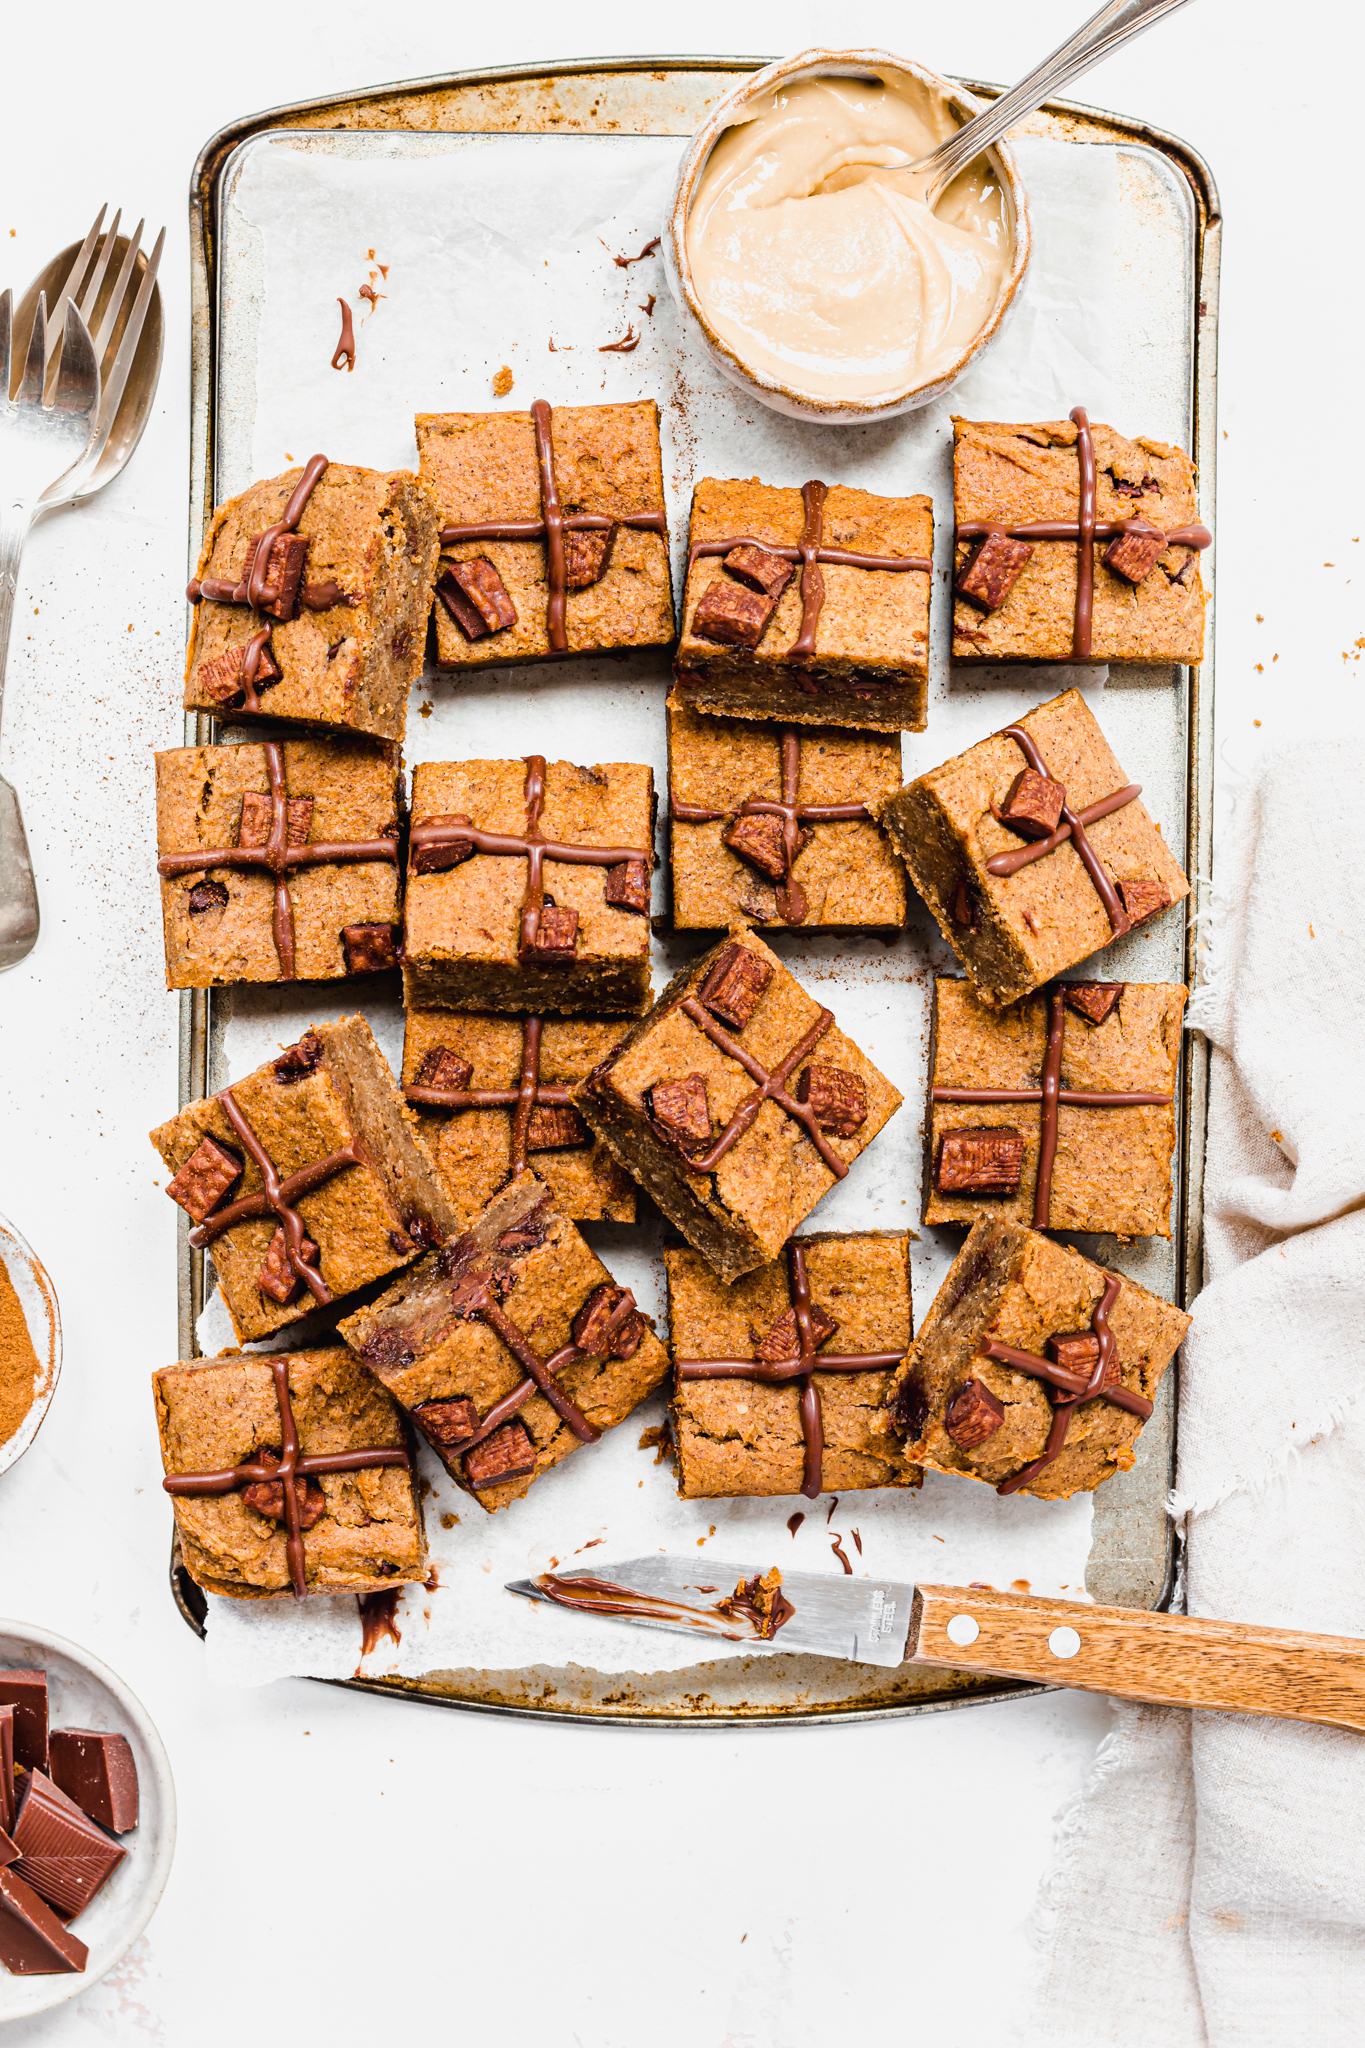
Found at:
[307, 1178]
[1059, 1111]
[311, 599]
[780, 1379]
[771, 822]
[1031, 849]
[737, 1103]
[1074, 544]
[290, 1474]
[511, 1346]
[278, 862]
[810, 606]
[1035, 1369]
[492, 1098]
[529, 886]
[554, 536]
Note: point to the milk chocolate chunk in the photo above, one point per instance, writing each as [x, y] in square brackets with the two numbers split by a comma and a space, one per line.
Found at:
[555, 938]
[759, 841]
[991, 570]
[762, 571]
[258, 816]
[627, 886]
[550, 1127]
[783, 1340]
[266, 1496]
[446, 1422]
[282, 572]
[1093, 999]
[221, 679]
[1077, 1351]
[1033, 807]
[369, 948]
[733, 988]
[199, 1187]
[98, 1771]
[608, 1324]
[963, 914]
[26, 1692]
[1141, 898]
[62, 1854]
[434, 860]
[732, 615]
[207, 896]
[980, 1162]
[682, 1111]
[476, 598]
[33, 1941]
[973, 1415]
[837, 1099]
[586, 557]
[507, 1454]
[442, 1068]
[298, 1060]
[7, 1787]
[1133, 555]
[278, 1278]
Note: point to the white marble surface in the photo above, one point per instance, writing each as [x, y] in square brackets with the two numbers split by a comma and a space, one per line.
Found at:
[343, 1862]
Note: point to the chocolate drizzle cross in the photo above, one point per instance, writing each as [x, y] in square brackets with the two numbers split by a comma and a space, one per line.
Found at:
[810, 551]
[1077, 1387]
[772, 1087]
[1084, 531]
[292, 1465]
[530, 1093]
[1051, 1096]
[551, 527]
[280, 858]
[791, 897]
[532, 847]
[806, 1360]
[1072, 827]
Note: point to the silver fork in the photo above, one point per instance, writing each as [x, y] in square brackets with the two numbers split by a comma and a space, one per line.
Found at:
[39, 445]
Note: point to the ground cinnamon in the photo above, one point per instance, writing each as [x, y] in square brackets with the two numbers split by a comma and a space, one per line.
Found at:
[18, 1361]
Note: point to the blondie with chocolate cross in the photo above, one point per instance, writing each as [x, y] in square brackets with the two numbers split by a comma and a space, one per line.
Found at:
[1032, 850]
[780, 1379]
[1074, 544]
[307, 1178]
[492, 1100]
[810, 606]
[771, 823]
[278, 862]
[554, 538]
[1059, 1111]
[1034, 1369]
[529, 886]
[736, 1103]
[311, 599]
[511, 1346]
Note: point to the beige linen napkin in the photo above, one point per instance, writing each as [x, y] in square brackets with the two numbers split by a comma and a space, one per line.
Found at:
[1210, 1881]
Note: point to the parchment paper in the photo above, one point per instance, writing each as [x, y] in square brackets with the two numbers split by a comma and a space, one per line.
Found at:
[494, 248]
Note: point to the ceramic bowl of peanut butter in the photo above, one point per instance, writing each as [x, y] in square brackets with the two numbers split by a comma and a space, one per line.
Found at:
[813, 274]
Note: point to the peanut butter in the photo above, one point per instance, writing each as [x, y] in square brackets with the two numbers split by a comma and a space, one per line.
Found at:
[812, 256]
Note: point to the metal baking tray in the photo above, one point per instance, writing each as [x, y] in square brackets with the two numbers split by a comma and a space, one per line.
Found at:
[1168, 286]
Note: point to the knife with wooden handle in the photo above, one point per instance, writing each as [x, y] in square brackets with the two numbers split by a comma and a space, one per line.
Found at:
[1167, 1659]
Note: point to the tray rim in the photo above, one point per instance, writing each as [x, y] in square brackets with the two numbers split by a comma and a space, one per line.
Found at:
[209, 166]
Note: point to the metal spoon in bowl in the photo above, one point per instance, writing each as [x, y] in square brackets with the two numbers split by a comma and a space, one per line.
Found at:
[1116, 24]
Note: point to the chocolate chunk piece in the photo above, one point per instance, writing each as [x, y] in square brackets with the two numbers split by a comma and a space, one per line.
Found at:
[627, 886]
[980, 1162]
[98, 1771]
[507, 1454]
[990, 572]
[555, 938]
[282, 572]
[782, 1341]
[207, 896]
[1033, 807]
[734, 986]
[962, 913]
[435, 859]
[26, 1692]
[266, 1496]
[369, 948]
[299, 1060]
[446, 1422]
[608, 1325]
[586, 556]
[731, 615]
[1133, 555]
[278, 1279]
[442, 1068]
[387, 1351]
[681, 1111]
[62, 1854]
[1093, 999]
[551, 1127]
[973, 1415]
[1141, 898]
[258, 815]
[199, 1187]
[6, 1770]
[221, 679]
[837, 1099]
[33, 1941]
[759, 841]
[476, 598]
[763, 571]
